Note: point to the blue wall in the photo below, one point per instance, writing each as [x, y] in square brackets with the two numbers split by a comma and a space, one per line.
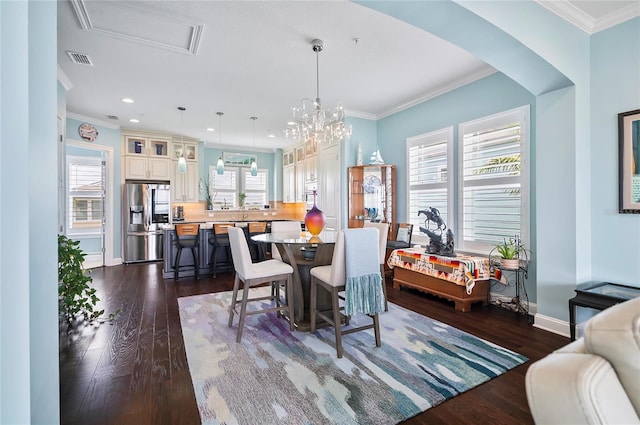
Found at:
[574, 129]
[466, 103]
[107, 137]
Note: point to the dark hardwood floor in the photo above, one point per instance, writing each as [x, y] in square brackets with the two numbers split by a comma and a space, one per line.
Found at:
[134, 370]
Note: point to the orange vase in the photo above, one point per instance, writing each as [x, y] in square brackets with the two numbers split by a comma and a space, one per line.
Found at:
[314, 219]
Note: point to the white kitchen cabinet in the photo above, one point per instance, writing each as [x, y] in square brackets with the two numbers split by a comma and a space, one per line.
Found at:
[289, 183]
[184, 186]
[146, 156]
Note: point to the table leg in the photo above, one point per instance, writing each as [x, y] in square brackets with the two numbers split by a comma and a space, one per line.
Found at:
[572, 319]
[286, 252]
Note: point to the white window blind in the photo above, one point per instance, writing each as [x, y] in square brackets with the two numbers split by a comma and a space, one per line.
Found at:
[429, 159]
[255, 187]
[85, 186]
[493, 193]
[226, 187]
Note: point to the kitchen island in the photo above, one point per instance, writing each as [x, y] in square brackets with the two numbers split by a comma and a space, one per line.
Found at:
[204, 249]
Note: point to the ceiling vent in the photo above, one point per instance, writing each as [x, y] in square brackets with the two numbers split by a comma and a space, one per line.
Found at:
[112, 117]
[80, 58]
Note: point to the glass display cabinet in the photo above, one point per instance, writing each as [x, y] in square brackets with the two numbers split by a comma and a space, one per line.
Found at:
[372, 194]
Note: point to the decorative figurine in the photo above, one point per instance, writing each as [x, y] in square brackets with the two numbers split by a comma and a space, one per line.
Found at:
[436, 246]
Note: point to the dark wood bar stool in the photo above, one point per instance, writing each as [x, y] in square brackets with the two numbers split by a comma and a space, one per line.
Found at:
[258, 250]
[186, 237]
[220, 240]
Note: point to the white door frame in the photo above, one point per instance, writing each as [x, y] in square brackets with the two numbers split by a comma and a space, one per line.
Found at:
[108, 228]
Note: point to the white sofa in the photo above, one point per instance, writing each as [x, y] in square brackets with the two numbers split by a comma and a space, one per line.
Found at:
[594, 380]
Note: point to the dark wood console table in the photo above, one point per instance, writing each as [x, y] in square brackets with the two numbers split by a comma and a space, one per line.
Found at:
[599, 296]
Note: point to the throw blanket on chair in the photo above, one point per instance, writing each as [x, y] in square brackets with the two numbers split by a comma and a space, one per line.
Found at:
[363, 289]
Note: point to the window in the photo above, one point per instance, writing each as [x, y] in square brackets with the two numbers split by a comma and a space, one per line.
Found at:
[429, 157]
[226, 187]
[491, 197]
[493, 180]
[85, 188]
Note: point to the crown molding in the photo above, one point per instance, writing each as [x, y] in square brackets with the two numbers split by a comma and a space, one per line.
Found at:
[586, 23]
[359, 114]
[617, 17]
[64, 80]
[92, 120]
[467, 79]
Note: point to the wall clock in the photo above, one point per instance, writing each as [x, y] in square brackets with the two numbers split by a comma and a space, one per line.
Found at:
[88, 132]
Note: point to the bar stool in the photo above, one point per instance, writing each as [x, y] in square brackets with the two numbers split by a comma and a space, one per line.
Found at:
[220, 240]
[186, 237]
[258, 249]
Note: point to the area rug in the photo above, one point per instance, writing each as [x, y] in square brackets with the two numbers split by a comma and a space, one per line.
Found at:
[279, 377]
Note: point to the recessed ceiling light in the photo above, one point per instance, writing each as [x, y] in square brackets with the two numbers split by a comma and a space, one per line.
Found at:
[270, 134]
[291, 123]
[134, 120]
[211, 129]
[127, 100]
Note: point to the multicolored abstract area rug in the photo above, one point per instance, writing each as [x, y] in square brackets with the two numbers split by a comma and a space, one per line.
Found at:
[279, 377]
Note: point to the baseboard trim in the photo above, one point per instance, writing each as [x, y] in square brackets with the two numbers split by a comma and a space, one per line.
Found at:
[551, 324]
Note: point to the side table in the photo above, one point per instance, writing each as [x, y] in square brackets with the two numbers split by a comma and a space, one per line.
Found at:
[599, 296]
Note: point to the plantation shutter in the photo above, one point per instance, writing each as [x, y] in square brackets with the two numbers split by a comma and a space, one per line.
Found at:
[224, 187]
[429, 164]
[255, 187]
[491, 183]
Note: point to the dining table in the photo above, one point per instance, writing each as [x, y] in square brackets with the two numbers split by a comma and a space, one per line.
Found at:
[303, 251]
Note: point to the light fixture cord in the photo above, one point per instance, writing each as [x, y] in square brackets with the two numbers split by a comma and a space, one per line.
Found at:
[318, 79]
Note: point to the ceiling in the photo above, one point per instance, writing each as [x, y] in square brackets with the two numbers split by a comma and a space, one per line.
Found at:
[246, 58]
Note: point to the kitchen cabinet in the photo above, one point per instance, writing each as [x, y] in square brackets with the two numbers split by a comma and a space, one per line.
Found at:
[289, 183]
[146, 156]
[372, 194]
[184, 146]
[184, 186]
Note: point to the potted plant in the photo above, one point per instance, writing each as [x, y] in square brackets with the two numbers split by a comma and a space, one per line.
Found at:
[510, 252]
[77, 299]
[241, 197]
[207, 195]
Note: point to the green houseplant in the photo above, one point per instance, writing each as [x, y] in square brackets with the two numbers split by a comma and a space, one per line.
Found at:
[241, 197]
[511, 251]
[77, 298]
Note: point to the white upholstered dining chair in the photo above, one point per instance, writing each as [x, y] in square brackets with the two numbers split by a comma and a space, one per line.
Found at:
[252, 274]
[290, 227]
[333, 278]
[383, 233]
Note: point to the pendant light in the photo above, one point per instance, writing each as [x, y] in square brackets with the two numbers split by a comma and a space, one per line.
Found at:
[254, 162]
[220, 164]
[182, 162]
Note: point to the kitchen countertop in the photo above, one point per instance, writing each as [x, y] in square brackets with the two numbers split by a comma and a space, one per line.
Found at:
[209, 224]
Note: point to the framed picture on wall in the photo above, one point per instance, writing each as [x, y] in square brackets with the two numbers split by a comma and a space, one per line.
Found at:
[629, 161]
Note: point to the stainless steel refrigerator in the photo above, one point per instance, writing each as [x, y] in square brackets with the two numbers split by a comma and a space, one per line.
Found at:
[146, 207]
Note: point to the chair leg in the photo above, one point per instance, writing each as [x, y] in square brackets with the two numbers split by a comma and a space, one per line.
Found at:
[289, 303]
[176, 272]
[336, 321]
[384, 287]
[313, 301]
[243, 310]
[195, 262]
[376, 329]
[234, 298]
[212, 261]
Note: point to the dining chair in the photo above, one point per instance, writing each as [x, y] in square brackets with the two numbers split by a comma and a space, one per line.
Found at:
[399, 238]
[253, 274]
[291, 227]
[186, 237]
[383, 233]
[333, 278]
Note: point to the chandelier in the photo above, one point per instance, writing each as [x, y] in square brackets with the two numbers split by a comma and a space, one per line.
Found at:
[312, 120]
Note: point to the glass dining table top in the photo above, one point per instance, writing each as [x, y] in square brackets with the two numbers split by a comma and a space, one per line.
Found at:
[326, 236]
